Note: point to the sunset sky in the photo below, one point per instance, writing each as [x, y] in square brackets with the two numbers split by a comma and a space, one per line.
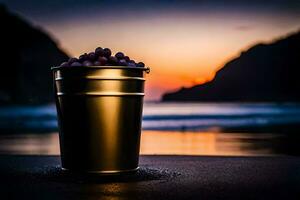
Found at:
[184, 42]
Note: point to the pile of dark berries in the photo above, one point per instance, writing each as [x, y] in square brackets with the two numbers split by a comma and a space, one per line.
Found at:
[102, 57]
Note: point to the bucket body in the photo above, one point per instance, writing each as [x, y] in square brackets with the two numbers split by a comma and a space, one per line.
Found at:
[99, 116]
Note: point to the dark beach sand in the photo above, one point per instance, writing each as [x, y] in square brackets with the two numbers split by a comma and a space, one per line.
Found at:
[159, 177]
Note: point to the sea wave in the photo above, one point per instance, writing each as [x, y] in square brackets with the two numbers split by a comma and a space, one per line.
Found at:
[163, 116]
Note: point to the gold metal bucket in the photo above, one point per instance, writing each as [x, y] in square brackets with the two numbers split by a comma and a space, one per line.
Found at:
[99, 116]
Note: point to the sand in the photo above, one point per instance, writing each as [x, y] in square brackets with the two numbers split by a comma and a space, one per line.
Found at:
[159, 177]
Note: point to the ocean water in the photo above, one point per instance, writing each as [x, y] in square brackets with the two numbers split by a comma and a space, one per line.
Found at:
[235, 129]
[168, 116]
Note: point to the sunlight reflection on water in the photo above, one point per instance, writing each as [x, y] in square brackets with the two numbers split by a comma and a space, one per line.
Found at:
[156, 142]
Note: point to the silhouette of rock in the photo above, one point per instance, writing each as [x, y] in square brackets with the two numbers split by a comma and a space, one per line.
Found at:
[265, 72]
[27, 54]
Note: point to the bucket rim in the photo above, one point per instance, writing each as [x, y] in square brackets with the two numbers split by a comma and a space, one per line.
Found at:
[146, 69]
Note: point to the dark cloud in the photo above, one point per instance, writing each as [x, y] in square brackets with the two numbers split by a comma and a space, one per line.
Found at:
[53, 5]
[57, 8]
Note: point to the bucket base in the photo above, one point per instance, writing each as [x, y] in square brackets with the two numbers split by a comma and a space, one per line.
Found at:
[104, 172]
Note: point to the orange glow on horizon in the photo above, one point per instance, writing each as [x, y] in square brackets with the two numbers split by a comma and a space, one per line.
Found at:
[181, 49]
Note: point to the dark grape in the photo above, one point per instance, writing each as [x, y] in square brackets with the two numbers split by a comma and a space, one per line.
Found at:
[122, 62]
[87, 63]
[119, 55]
[92, 56]
[106, 52]
[64, 64]
[83, 57]
[140, 64]
[126, 58]
[102, 60]
[131, 64]
[72, 60]
[99, 51]
[132, 61]
[76, 64]
[102, 57]
[97, 63]
[113, 60]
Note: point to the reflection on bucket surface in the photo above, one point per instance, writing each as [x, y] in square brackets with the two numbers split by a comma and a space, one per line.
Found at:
[99, 112]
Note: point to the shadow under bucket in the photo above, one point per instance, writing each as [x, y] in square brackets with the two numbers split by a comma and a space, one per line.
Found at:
[99, 115]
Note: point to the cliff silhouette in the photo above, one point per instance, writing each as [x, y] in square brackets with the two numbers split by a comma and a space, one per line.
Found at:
[27, 53]
[264, 73]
